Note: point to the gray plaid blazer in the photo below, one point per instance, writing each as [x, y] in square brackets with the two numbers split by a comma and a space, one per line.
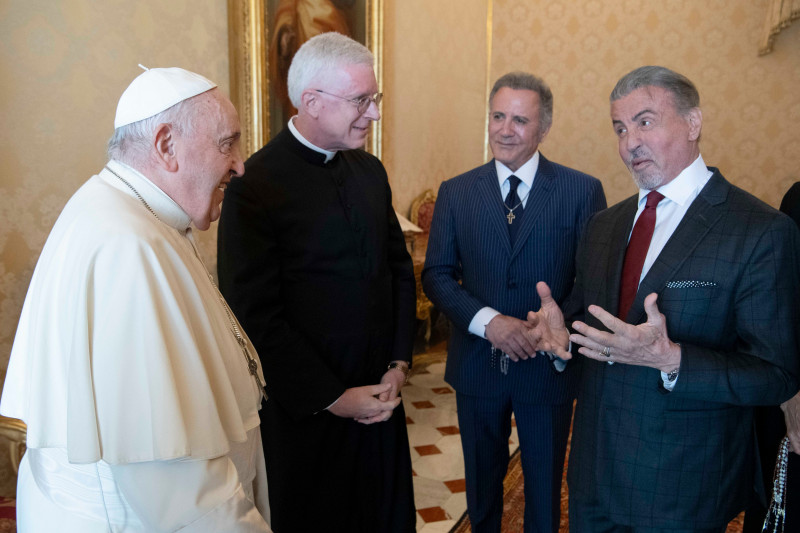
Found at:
[727, 283]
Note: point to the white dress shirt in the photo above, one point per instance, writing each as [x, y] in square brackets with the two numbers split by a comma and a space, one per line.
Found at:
[678, 196]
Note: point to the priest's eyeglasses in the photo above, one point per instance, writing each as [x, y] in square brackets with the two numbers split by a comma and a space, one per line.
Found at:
[362, 104]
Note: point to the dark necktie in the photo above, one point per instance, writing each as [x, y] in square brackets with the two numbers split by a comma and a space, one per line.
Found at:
[637, 252]
[514, 209]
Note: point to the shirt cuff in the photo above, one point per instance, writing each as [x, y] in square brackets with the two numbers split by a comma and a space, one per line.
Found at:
[331, 405]
[478, 324]
[669, 385]
[558, 363]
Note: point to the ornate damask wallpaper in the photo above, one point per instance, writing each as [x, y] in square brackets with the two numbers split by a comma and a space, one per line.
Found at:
[64, 63]
[751, 105]
[434, 111]
[434, 92]
[63, 66]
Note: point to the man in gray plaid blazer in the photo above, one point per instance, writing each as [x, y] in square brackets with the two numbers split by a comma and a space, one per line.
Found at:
[663, 432]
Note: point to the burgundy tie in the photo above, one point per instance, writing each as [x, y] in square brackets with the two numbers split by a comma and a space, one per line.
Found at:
[636, 253]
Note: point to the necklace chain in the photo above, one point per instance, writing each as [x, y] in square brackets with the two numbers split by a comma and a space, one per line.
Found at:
[252, 365]
[510, 209]
[139, 196]
[510, 216]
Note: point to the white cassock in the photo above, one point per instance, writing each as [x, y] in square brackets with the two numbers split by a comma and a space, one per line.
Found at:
[141, 412]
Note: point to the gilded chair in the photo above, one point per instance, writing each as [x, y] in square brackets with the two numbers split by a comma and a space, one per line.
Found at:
[422, 210]
[422, 214]
[12, 447]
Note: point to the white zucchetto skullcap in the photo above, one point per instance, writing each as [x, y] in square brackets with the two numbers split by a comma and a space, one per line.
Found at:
[156, 90]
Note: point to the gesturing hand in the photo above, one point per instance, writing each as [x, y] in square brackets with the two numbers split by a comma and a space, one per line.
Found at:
[646, 344]
[547, 329]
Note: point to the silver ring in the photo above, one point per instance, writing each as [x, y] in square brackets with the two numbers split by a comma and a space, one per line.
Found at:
[606, 351]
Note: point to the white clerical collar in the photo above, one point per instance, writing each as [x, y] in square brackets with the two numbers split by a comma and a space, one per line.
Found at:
[297, 135]
[686, 185]
[167, 210]
[525, 173]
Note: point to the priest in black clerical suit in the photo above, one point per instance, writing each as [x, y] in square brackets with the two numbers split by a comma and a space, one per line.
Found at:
[313, 262]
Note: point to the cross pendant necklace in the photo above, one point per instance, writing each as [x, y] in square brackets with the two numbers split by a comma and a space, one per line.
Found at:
[511, 216]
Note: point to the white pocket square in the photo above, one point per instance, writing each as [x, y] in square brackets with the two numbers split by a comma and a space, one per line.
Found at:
[690, 284]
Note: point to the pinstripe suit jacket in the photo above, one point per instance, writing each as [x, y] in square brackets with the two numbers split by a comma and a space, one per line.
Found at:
[727, 283]
[470, 264]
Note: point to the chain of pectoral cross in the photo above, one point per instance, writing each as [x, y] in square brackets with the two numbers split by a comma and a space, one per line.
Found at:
[252, 365]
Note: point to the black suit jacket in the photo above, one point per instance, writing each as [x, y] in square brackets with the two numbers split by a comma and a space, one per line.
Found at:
[727, 283]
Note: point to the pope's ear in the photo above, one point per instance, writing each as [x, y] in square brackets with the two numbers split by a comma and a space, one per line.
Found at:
[165, 147]
[310, 102]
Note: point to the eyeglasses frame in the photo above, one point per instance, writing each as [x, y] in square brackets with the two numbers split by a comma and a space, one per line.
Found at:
[363, 101]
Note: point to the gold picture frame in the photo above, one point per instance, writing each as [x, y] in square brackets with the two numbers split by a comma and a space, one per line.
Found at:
[248, 42]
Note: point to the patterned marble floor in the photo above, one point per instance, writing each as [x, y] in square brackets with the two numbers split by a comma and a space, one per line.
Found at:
[436, 455]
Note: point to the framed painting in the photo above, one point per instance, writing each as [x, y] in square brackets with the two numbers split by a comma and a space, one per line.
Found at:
[262, 38]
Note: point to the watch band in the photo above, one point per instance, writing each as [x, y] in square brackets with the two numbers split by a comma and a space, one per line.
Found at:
[402, 366]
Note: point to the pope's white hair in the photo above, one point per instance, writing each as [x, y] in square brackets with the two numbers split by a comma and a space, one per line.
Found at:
[132, 143]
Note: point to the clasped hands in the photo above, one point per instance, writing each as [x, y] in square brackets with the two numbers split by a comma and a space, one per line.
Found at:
[371, 403]
[645, 344]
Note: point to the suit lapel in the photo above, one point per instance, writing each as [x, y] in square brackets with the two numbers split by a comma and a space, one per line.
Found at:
[490, 195]
[539, 195]
[705, 211]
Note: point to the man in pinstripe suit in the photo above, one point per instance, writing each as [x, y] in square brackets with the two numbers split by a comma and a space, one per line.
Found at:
[663, 435]
[496, 230]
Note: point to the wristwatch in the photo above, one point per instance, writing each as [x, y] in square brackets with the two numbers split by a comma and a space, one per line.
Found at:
[402, 366]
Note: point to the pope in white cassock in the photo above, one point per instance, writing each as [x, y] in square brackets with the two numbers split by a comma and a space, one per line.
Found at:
[138, 386]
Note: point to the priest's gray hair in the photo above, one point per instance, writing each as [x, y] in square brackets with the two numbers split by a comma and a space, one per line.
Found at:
[684, 93]
[528, 82]
[319, 57]
[131, 144]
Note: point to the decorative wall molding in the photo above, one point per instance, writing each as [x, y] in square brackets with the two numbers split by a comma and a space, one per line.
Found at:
[247, 48]
[248, 42]
[780, 14]
[489, 26]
